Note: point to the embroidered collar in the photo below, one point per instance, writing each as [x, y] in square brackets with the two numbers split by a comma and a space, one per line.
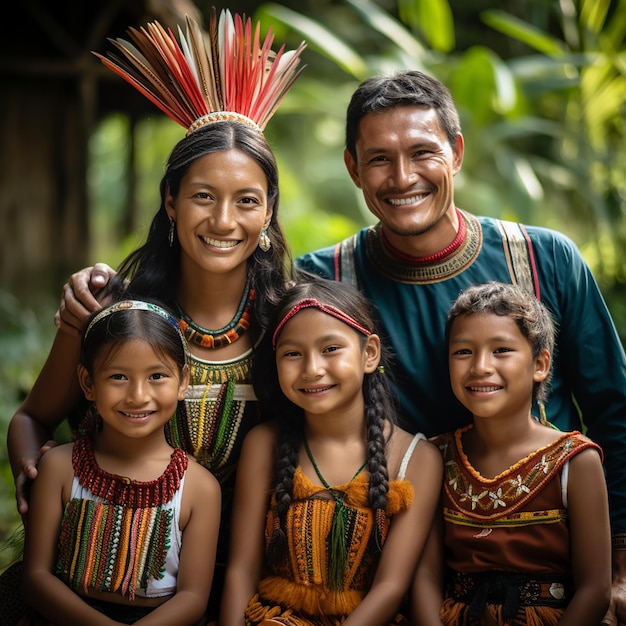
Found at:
[445, 265]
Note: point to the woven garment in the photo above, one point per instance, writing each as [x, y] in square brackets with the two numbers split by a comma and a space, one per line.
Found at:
[513, 526]
[301, 580]
[457, 615]
[220, 408]
[259, 614]
[116, 533]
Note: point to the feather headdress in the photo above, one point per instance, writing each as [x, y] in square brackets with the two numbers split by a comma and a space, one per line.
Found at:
[225, 74]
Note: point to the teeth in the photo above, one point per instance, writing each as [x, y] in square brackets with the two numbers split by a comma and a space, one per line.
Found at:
[403, 201]
[316, 390]
[493, 388]
[219, 243]
[136, 415]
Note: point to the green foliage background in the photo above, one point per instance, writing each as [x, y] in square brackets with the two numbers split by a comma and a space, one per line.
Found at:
[541, 89]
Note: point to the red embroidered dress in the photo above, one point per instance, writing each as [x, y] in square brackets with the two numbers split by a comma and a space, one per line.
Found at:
[514, 524]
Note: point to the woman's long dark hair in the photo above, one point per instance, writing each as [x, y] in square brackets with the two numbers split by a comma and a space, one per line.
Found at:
[154, 269]
[290, 418]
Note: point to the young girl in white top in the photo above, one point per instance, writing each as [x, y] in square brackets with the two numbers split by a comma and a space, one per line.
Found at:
[122, 527]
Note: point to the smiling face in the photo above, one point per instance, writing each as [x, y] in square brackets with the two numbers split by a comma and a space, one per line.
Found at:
[220, 210]
[321, 362]
[492, 368]
[135, 389]
[405, 167]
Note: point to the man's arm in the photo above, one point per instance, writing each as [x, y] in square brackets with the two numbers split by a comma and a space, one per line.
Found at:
[593, 363]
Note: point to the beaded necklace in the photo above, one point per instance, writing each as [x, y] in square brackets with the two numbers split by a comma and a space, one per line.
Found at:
[227, 334]
[432, 258]
[338, 528]
[122, 490]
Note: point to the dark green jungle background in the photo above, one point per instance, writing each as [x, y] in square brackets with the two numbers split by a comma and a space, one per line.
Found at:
[541, 88]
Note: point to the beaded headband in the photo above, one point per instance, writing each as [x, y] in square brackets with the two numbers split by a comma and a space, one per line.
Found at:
[137, 305]
[221, 75]
[325, 308]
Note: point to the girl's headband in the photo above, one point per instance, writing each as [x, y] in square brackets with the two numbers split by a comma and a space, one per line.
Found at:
[225, 74]
[325, 308]
[137, 305]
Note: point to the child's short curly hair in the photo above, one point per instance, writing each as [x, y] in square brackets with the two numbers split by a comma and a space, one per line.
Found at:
[531, 316]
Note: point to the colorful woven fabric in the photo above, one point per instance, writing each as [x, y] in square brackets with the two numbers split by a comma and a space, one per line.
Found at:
[301, 581]
[116, 533]
[220, 408]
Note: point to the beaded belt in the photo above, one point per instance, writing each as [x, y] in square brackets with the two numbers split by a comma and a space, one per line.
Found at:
[508, 589]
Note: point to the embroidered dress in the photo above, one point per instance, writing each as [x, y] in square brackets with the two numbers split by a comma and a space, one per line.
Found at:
[121, 536]
[507, 538]
[220, 409]
[302, 579]
[413, 298]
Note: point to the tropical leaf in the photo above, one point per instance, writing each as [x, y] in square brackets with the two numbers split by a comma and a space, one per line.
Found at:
[593, 14]
[318, 36]
[524, 32]
[385, 24]
[432, 18]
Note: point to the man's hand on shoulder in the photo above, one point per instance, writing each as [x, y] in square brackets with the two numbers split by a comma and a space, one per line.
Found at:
[83, 294]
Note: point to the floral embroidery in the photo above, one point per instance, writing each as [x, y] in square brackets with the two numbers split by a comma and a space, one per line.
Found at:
[497, 498]
[518, 483]
[507, 493]
[475, 499]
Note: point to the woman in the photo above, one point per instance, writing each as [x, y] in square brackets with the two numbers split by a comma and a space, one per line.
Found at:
[215, 253]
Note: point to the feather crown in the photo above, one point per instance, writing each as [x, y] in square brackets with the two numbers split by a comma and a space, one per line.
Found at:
[225, 74]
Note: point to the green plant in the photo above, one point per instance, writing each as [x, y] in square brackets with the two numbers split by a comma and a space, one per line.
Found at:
[25, 337]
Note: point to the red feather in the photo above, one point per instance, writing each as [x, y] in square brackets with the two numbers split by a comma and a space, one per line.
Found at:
[233, 72]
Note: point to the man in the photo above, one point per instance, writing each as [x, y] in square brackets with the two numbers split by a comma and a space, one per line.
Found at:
[403, 148]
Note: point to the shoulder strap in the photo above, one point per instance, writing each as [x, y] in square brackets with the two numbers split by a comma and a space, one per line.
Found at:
[519, 255]
[408, 454]
[345, 270]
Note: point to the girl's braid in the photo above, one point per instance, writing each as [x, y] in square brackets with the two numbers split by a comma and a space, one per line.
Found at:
[290, 438]
[374, 392]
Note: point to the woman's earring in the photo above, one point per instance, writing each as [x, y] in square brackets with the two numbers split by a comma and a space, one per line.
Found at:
[170, 236]
[264, 241]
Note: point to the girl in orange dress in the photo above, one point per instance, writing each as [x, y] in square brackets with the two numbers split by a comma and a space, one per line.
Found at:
[333, 502]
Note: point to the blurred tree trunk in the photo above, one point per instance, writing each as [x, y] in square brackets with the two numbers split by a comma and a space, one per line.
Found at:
[43, 205]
